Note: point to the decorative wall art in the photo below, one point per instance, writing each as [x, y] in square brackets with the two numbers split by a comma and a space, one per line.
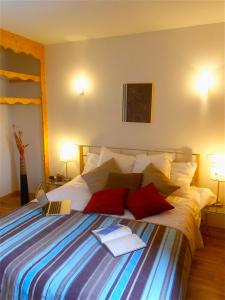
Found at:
[137, 102]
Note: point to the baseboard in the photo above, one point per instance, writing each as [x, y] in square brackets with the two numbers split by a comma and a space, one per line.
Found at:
[16, 194]
[10, 195]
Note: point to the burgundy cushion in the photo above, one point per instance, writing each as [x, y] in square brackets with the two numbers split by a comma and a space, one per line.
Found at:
[146, 202]
[111, 201]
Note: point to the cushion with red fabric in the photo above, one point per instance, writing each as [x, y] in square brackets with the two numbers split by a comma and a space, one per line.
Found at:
[146, 202]
[110, 201]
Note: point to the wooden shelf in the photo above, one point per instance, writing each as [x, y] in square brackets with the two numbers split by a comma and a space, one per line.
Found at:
[8, 100]
[19, 44]
[13, 75]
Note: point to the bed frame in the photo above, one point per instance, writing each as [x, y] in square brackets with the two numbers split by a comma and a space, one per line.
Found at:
[184, 155]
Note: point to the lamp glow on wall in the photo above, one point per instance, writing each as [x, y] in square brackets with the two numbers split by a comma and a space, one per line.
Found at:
[68, 152]
[217, 171]
[204, 82]
[81, 85]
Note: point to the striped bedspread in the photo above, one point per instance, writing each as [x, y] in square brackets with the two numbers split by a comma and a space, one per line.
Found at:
[57, 257]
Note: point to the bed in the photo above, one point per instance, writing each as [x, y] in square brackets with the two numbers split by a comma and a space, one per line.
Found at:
[57, 257]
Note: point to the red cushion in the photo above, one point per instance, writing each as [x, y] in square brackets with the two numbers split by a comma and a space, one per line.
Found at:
[111, 201]
[146, 202]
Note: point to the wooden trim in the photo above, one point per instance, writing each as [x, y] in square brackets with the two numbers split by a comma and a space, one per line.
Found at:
[21, 76]
[20, 44]
[195, 180]
[81, 154]
[9, 100]
[44, 116]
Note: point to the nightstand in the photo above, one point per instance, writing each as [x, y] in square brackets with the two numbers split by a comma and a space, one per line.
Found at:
[48, 186]
[214, 216]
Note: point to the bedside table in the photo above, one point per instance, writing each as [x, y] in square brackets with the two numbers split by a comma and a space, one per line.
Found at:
[214, 216]
[48, 186]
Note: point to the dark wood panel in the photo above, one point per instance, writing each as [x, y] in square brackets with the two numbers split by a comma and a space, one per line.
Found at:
[137, 102]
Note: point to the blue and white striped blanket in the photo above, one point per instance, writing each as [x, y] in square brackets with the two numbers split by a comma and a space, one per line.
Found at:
[57, 257]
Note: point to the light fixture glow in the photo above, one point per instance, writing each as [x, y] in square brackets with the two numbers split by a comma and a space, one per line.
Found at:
[217, 169]
[217, 172]
[204, 82]
[81, 85]
[68, 152]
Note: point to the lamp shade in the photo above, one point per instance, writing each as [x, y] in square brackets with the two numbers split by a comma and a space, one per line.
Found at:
[217, 168]
[68, 152]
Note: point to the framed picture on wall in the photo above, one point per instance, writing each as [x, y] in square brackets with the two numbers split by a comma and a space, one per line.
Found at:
[137, 102]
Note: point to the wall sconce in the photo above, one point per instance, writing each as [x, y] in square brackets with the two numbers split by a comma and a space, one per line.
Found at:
[68, 154]
[217, 171]
[203, 83]
[81, 85]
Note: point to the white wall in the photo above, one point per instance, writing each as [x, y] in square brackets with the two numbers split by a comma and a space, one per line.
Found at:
[27, 119]
[8, 178]
[171, 59]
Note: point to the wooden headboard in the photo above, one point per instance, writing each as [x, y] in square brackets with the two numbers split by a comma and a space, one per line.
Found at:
[181, 155]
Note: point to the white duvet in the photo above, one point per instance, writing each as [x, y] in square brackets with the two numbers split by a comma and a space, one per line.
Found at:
[186, 215]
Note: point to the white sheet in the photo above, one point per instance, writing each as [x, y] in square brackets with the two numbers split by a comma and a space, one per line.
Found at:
[185, 216]
[203, 196]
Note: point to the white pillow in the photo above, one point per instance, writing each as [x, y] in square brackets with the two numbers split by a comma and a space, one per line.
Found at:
[125, 162]
[91, 163]
[182, 173]
[160, 161]
[76, 190]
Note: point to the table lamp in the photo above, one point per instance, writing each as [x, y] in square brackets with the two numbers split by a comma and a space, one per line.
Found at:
[67, 154]
[217, 172]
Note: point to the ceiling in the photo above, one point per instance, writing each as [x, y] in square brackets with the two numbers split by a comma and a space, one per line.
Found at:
[62, 21]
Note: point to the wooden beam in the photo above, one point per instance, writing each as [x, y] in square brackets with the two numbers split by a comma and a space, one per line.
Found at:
[9, 100]
[20, 44]
[21, 76]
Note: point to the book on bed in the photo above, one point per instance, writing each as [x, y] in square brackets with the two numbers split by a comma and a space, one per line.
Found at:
[119, 239]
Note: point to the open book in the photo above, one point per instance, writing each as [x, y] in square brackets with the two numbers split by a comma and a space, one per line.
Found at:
[119, 239]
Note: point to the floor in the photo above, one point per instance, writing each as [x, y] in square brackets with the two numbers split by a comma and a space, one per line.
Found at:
[9, 203]
[207, 278]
